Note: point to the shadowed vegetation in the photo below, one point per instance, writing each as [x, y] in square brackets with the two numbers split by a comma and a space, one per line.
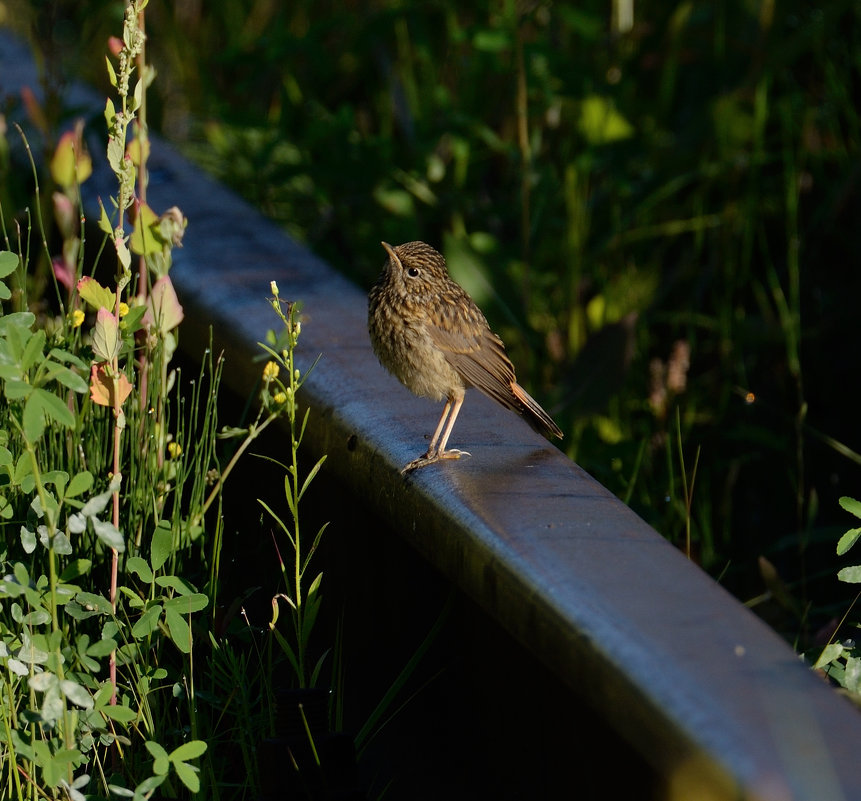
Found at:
[656, 212]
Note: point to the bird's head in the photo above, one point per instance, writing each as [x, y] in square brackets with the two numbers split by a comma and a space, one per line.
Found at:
[414, 268]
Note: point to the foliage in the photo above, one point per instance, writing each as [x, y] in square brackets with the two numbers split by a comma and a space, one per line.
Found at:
[302, 597]
[842, 660]
[108, 469]
[653, 212]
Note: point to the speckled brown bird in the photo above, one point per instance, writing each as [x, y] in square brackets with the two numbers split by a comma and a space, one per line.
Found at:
[429, 333]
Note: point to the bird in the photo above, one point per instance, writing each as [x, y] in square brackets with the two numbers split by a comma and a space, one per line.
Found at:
[429, 333]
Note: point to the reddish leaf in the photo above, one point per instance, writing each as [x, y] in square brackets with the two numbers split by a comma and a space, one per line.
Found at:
[102, 386]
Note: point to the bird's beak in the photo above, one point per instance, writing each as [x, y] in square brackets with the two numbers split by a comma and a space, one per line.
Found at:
[393, 257]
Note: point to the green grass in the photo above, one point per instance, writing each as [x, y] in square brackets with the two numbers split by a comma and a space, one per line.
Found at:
[604, 194]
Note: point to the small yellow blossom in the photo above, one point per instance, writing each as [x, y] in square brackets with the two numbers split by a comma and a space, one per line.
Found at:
[77, 318]
[279, 398]
[124, 309]
[174, 449]
[270, 371]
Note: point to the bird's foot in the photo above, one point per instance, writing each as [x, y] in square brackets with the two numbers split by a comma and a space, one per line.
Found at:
[454, 453]
[431, 457]
[422, 461]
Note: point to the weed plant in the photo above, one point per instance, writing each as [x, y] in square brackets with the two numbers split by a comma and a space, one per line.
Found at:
[653, 204]
[653, 209]
[118, 679]
[840, 659]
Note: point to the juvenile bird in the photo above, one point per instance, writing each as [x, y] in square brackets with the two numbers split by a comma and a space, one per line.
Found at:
[430, 334]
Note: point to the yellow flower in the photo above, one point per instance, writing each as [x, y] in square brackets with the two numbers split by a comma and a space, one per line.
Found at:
[270, 371]
[174, 449]
[279, 398]
[124, 309]
[77, 318]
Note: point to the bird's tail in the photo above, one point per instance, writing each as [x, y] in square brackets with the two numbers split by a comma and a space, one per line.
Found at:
[534, 414]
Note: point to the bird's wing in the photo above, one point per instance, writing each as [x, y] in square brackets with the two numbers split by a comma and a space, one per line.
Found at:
[475, 352]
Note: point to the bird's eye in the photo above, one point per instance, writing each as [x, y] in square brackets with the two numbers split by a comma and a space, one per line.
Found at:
[413, 272]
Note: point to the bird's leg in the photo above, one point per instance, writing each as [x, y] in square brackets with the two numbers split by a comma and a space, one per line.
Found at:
[441, 452]
[435, 453]
[430, 455]
[435, 437]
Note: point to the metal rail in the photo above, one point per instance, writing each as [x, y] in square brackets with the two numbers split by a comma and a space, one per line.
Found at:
[710, 695]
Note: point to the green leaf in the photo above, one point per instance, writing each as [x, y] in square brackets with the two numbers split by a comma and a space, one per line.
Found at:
[186, 604]
[600, 122]
[121, 714]
[28, 540]
[94, 603]
[23, 475]
[310, 477]
[189, 750]
[147, 623]
[106, 339]
[66, 377]
[851, 575]
[60, 355]
[288, 650]
[76, 694]
[491, 40]
[104, 221]
[15, 389]
[162, 542]
[112, 75]
[59, 478]
[109, 534]
[180, 632]
[851, 505]
[77, 612]
[96, 505]
[145, 238]
[95, 295]
[102, 648]
[145, 788]
[188, 775]
[81, 482]
[75, 568]
[33, 350]
[161, 760]
[55, 408]
[42, 682]
[61, 545]
[137, 565]
[848, 540]
[175, 583]
[852, 675]
[23, 320]
[132, 321]
[33, 419]
[8, 263]
[135, 601]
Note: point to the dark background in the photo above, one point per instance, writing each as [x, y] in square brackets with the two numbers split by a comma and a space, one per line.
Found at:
[658, 217]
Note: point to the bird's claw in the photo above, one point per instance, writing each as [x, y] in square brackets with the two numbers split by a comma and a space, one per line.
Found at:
[454, 453]
[430, 458]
